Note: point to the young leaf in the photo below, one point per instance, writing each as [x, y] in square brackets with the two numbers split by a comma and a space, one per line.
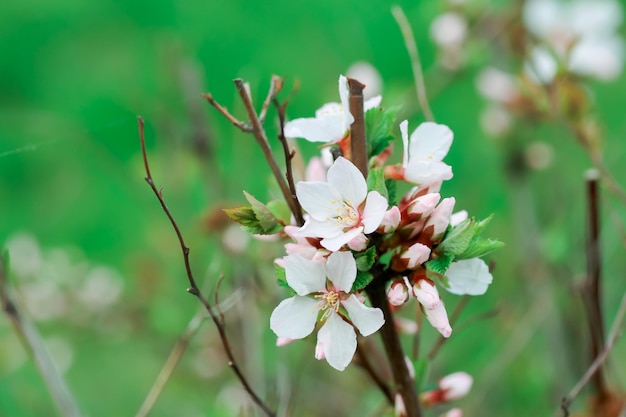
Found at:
[365, 260]
[280, 210]
[379, 125]
[479, 247]
[376, 181]
[281, 276]
[392, 191]
[267, 220]
[441, 264]
[458, 237]
[362, 279]
[245, 216]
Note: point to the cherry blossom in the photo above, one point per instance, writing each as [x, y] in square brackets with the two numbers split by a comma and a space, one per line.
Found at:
[331, 122]
[469, 276]
[323, 293]
[340, 211]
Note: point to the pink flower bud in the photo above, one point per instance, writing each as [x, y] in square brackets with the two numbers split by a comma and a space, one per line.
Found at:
[391, 220]
[398, 293]
[283, 341]
[423, 206]
[315, 170]
[406, 326]
[412, 257]
[400, 409]
[438, 318]
[359, 243]
[454, 412]
[455, 385]
[440, 218]
[319, 351]
[427, 294]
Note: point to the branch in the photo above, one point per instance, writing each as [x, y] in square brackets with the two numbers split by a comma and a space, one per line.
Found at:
[358, 146]
[416, 65]
[615, 332]
[194, 288]
[261, 138]
[32, 341]
[224, 111]
[364, 362]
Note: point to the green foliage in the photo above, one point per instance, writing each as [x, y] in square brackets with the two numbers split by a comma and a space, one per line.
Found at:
[363, 278]
[464, 240]
[281, 276]
[379, 124]
[376, 182]
[280, 210]
[392, 191]
[441, 264]
[365, 260]
[257, 218]
[385, 258]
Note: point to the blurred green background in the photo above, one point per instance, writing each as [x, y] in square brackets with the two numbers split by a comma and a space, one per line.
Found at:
[99, 267]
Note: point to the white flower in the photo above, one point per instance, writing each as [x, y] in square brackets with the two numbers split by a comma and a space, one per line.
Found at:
[340, 210]
[583, 34]
[323, 292]
[424, 151]
[331, 122]
[469, 276]
[455, 385]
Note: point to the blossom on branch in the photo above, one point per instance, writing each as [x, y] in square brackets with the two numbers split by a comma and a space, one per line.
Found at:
[340, 211]
[323, 293]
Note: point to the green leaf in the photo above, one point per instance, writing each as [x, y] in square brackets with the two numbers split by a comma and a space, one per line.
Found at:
[365, 260]
[280, 210]
[281, 276]
[376, 181]
[245, 216]
[459, 237]
[480, 247]
[267, 220]
[379, 124]
[392, 191]
[363, 278]
[441, 264]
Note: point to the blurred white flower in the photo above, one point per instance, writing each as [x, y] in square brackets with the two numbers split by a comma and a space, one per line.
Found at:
[366, 73]
[449, 29]
[470, 276]
[24, 254]
[101, 288]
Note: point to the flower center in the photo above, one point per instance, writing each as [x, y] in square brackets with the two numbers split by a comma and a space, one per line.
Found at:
[329, 302]
[347, 215]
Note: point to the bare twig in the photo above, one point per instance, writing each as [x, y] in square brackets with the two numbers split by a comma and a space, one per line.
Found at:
[224, 111]
[32, 341]
[358, 146]
[416, 65]
[193, 286]
[595, 366]
[261, 138]
[275, 87]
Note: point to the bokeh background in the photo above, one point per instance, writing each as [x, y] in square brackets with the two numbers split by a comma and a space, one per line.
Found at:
[97, 267]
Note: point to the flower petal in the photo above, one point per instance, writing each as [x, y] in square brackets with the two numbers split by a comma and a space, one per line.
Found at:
[338, 341]
[348, 181]
[314, 228]
[469, 276]
[366, 319]
[344, 95]
[372, 102]
[320, 199]
[335, 243]
[423, 171]
[294, 318]
[430, 141]
[374, 211]
[404, 130]
[318, 129]
[341, 270]
[303, 275]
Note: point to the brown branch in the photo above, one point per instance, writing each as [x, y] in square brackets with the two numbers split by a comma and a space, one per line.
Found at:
[261, 138]
[364, 362]
[289, 154]
[358, 146]
[224, 111]
[598, 361]
[32, 341]
[592, 292]
[275, 87]
[416, 65]
[193, 286]
[405, 385]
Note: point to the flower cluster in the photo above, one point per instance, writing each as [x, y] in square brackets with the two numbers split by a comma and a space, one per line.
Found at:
[357, 233]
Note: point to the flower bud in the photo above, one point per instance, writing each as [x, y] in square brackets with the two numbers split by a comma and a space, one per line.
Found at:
[391, 220]
[423, 206]
[411, 258]
[319, 351]
[283, 341]
[426, 293]
[455, 385]
[400, 409]
[406, 326]
[438, 318]
[398, 293]
[440, 218]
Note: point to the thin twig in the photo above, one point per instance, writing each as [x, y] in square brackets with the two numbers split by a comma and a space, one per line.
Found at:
[194, 288]
[224, 111]
[289, 153]
[261, 138]
[416, 65]
[613, 335]
[275, 87]
[32, 341]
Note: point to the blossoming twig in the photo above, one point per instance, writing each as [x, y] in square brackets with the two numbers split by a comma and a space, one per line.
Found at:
[194, 290]
[416, 65]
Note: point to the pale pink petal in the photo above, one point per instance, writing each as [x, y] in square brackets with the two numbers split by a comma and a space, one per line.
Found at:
[338, 341]
[320, 199]
[348, 181]
[321, 129]
[440, 219]
[336, 242]
[438, 318]
[422, 171]
[283, 341]
[390, 221]
[415, 255]
[366, 319]
[426, 294]
[344, 94]
[319, 351]
[469, 276]
[430, 141]
[397, 294]
[315, 228]
[456, 385]
[372, 103]
[423, 206]
[374, 211]
[294, 318]
[303, 275]
[399, 407]
[404, 131]
[458, 217]
[359, 243]
[315, 170]
[341, 270]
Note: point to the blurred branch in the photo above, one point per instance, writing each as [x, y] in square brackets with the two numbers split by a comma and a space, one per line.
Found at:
[194, 290]
[416, 64]
[613, 335]
[32, 341]
[363, 361]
